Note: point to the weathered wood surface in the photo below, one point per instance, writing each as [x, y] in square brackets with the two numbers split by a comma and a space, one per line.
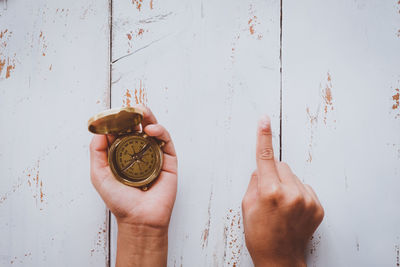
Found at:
[54, 74]
[208, 69]
[341, 124]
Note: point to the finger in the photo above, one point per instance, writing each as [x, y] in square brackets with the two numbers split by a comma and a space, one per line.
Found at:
[159, 132]
[252, 187]
[311, 191]
[170, 164]
[299, 183]
[148, 117]
[101, 176]
[98, 152]
[267, 172]
[110, 139]
[285, 174]
[251, 194]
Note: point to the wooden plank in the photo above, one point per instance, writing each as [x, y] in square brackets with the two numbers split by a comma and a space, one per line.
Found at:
[54, 74]
[341, 74]
[208, 70]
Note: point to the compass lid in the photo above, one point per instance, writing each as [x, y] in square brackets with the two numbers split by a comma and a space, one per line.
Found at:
[116, 121]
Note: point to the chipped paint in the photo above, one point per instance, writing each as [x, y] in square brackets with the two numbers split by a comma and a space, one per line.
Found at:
[315, 241]
[395, 98]
[20, 259]
[398, 11]
[313, 121]
[42, 43]
[252, 23]
[6, 63]
[397, 251]
[140, 95]
[314, 246]
[233, 48]
[2, 64]
[138, 4]
[62, 12]
[88, 10]
[10, 67]
[31, 178]
[3, 33]
[100, 241]
[206, 231]
[327, 96]
[313, 117]
[127, 101]
[36, 184]
[234, 234]
[13, 189]
[132, 36]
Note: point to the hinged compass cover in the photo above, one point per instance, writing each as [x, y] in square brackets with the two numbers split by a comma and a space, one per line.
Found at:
[116, 121]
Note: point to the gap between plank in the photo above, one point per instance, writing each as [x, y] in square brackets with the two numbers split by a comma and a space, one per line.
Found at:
[280, 82]
[110, 21]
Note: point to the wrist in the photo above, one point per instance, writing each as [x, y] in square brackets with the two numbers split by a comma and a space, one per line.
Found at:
[279, 262]
[140, 245]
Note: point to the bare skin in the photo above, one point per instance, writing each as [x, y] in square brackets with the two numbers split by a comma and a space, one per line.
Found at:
[280, 213]
[142, 217]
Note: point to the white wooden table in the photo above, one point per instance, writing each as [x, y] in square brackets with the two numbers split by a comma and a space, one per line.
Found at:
[327, 72]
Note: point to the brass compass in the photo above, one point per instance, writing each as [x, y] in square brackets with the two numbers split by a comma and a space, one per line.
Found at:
[135, 158]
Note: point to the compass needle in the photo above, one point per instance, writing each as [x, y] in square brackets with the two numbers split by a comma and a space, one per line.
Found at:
[130, 165]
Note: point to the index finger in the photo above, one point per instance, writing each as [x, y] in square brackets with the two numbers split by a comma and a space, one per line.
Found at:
[159, 132]
[265, 154]
[148, 117]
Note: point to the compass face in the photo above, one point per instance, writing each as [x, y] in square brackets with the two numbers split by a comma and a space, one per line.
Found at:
[135, 160]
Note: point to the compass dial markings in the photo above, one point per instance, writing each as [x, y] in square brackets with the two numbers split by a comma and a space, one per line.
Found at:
[145, 158]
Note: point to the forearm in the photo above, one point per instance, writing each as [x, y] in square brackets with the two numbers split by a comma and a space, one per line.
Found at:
[141, 246]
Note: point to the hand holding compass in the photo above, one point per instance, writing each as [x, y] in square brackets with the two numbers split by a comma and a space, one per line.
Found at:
[123, 122]
[142, 216]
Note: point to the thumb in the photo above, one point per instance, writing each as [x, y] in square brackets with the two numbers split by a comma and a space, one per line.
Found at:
[99, 167]
[98, 152]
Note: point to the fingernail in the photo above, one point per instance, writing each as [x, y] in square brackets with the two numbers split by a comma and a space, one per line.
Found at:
[265, 121]
[150, 126]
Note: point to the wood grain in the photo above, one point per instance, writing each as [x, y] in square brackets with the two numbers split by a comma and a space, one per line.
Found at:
[341, 69]
[54, 75]
[208, 70]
